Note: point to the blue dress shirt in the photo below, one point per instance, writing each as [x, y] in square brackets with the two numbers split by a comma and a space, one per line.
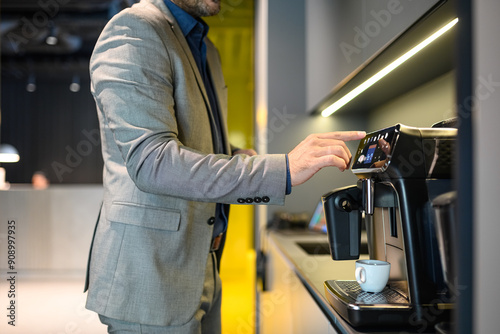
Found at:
[195, 30]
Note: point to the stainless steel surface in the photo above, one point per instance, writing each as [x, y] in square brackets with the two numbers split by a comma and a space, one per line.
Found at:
[444, 207]
[378, 236]
[368, 192]
[353, 294]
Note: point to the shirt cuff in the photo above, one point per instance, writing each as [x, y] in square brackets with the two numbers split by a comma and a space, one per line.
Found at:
[288, 177]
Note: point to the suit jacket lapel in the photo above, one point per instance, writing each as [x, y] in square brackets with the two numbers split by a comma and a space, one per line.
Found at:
[187, 52]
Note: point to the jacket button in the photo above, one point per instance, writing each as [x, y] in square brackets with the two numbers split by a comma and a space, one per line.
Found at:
[211, 221]
[257, 199]
[249, 200]
[265, 199]
[241, 200]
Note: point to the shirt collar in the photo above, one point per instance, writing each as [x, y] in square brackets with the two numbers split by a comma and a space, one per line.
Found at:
[186, 22]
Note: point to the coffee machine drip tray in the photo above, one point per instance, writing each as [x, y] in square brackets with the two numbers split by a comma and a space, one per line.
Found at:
[389, 307]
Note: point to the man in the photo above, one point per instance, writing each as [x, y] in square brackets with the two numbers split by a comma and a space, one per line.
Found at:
[161, 101]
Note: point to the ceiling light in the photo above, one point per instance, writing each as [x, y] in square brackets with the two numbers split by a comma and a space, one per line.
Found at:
[386, 70]
[75, 84]
[8, 153]
[51, 38]
[31, 85]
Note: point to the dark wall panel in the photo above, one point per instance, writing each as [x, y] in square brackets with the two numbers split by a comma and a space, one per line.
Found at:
[54, 130]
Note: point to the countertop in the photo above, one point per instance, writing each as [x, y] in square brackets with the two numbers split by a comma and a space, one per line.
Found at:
[314, 269]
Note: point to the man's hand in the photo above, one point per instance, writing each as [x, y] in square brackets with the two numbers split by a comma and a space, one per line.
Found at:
[247, 151]
[318, 151]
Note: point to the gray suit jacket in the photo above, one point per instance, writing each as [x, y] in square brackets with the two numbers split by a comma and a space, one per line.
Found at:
[161, 178]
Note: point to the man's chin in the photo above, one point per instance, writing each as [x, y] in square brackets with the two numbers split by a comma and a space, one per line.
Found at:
[213, 8]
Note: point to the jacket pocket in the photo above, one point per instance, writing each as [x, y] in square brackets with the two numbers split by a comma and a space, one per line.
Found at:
[144, 216]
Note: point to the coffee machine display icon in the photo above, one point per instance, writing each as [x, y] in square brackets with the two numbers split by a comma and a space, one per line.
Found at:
[401, 170]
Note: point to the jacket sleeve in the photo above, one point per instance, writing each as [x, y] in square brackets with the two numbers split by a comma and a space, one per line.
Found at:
[133, 83]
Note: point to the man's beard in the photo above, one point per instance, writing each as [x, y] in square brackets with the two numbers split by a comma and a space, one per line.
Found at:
[199, 8]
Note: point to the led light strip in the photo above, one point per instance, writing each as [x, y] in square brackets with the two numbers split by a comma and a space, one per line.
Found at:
[386, 70]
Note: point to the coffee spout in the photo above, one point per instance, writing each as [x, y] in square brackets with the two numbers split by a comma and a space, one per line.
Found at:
[367, 190]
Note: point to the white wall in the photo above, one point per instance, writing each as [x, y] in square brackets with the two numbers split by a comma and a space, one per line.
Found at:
[486, 122]
[341, 36]
[421, 107]
[53, 227]
[287, 119]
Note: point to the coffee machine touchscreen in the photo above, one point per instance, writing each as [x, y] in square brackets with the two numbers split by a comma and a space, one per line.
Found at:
[369, 154]
[375, 149]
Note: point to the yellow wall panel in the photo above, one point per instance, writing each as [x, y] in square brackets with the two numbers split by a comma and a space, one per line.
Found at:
[232, 32]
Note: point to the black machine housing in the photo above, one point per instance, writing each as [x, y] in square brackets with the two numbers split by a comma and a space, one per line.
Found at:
[401, 169]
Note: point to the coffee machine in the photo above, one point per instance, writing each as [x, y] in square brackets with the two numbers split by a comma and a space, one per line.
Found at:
[400, 171]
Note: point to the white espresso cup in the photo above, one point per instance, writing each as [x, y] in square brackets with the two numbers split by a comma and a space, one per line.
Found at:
[372, 275]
